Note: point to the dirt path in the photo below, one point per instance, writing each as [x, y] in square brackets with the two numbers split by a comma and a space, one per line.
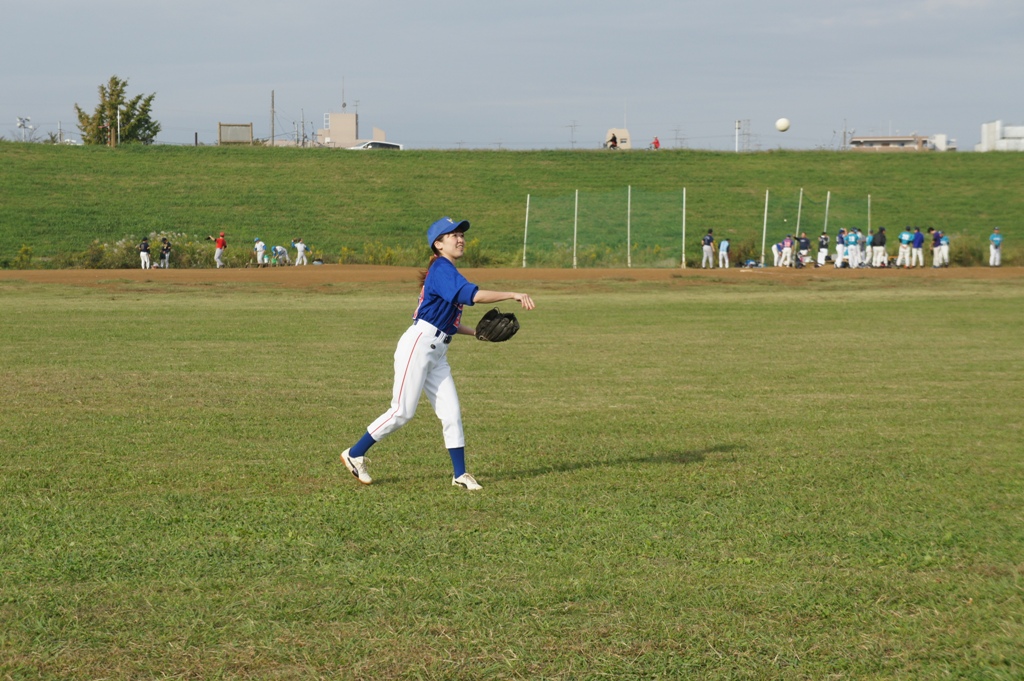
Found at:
[318, 275]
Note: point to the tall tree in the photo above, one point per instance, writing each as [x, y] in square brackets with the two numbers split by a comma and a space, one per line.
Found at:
[137, 124]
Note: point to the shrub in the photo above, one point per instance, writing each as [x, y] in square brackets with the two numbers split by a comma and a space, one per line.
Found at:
[23, 261]
[742, 251]
[377, 253]
[965, 253]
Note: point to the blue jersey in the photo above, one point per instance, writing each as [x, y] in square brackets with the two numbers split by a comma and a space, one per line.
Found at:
[708, 239]
[996, 239]
[723, 246]
[444, 293]
[851, 238]
[918, 241]
[906, 237]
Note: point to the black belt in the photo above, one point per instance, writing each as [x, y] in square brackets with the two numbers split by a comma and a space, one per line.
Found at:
[438, 333]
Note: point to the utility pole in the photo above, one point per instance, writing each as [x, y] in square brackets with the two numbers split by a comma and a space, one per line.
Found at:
[271, 118]
[572, 134]
[23, 123]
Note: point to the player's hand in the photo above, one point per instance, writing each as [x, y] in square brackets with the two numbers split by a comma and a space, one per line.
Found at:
[525, 300]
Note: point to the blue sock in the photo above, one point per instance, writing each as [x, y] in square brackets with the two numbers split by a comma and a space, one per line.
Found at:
[458, 455]
[359, 449]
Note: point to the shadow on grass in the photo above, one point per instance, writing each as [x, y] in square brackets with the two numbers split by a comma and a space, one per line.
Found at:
[677, 457]
[550, 466]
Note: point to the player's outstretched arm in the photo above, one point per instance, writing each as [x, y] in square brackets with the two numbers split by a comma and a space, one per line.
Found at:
[484, 296]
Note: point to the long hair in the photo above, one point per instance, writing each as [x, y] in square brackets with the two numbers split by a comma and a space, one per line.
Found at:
[423, 274]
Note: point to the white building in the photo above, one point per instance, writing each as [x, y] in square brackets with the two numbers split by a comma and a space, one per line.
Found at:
[341, 130]
[915, 142]
[998, 137]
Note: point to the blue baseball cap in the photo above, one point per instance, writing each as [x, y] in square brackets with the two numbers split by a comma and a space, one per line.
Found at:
[445, 226]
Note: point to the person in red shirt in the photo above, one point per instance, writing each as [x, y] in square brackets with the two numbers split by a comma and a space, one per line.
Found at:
[220, 244]
[656, 144]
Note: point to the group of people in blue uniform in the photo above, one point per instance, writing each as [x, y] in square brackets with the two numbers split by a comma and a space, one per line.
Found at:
[854, 249]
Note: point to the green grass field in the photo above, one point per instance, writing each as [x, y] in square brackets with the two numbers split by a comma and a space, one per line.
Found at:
[682, 479]
[374, 207]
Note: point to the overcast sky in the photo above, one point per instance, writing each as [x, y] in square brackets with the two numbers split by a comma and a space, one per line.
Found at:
[527, 74]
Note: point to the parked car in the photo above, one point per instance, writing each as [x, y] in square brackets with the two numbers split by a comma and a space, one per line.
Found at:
[374, 144]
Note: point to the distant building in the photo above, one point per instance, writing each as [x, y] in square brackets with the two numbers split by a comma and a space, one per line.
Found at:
[341, 131]
[234, 133]
[998, 137]
[890, 143]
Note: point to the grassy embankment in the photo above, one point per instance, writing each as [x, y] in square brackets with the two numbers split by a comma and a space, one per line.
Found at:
[359, 205]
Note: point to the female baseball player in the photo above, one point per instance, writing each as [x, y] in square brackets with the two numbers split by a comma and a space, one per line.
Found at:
[421, 359]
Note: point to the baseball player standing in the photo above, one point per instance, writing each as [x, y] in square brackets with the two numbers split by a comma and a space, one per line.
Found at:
[995, 252]
[708, 248]
[143, 250]
[917, 248]
[936, 236]
[840, 248]
[787, 251]
[300, 252]
[219, 245]
[804, 251]
[260, 250]
[903, 256]
[853, 248]
[421, 358]
[822, 249]
[165, 253]
[879, 256]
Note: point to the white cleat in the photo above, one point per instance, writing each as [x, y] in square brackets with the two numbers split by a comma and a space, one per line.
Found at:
[357, 467]
[466, 481]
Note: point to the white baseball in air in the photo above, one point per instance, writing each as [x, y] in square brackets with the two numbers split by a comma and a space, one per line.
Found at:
[782, 125]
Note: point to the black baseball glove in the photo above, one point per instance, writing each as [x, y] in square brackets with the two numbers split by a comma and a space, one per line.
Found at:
[497, 326]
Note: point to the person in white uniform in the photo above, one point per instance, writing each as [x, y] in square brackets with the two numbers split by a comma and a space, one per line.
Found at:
[421, 359]
[300, 252]
[995, 248]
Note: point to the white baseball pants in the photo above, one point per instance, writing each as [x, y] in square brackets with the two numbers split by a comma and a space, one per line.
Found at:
[421, 365]
[903, 256]
[994, 256]
[853, 253]
[145, 261]
[917, 257]
[709, 257]
[840, 252]
[880, 256]
[723, 259]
